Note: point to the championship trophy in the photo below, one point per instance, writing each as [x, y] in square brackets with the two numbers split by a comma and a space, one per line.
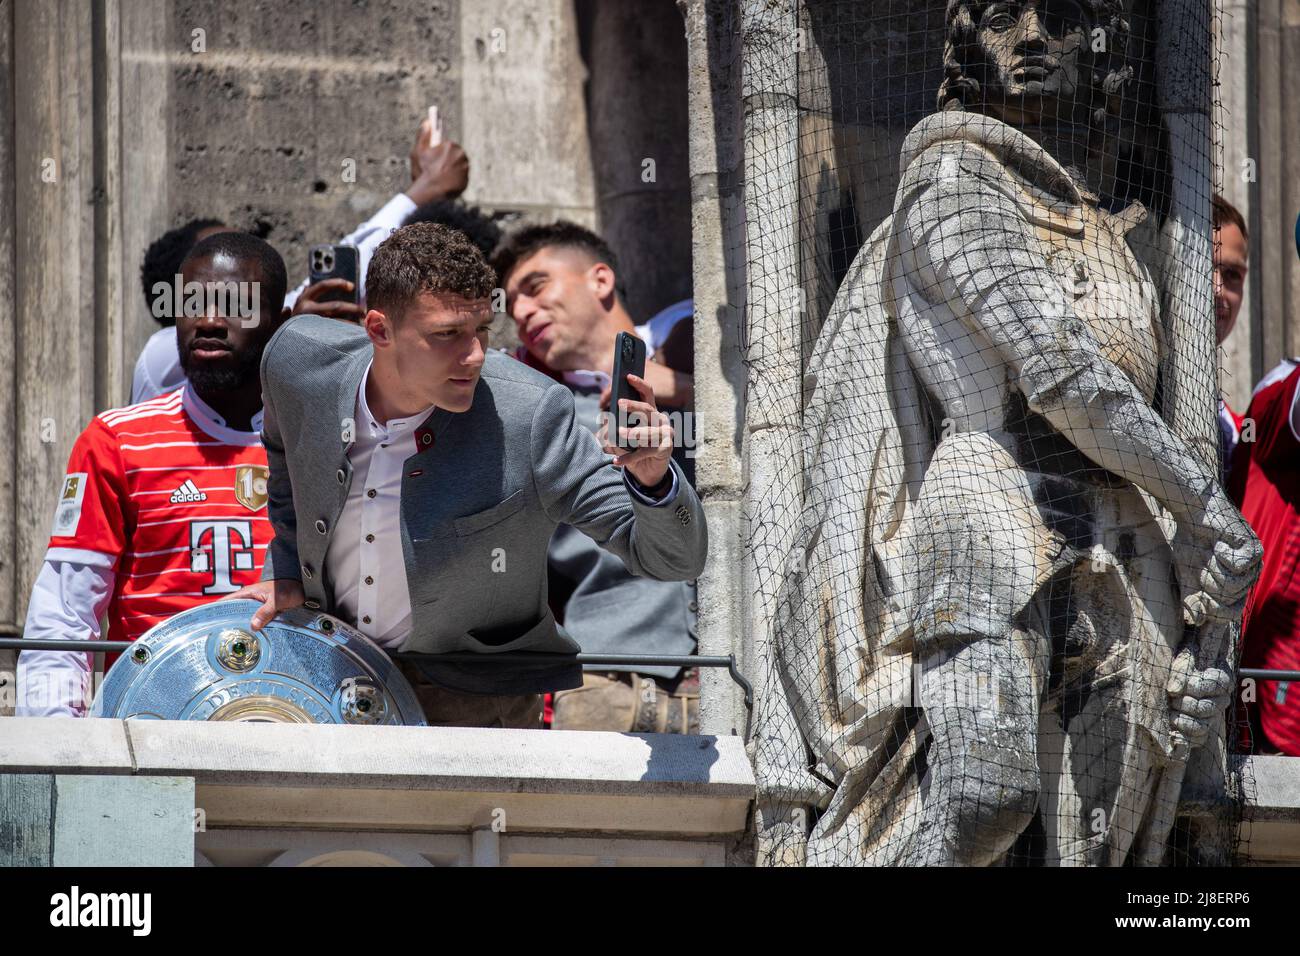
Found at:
[304, 667]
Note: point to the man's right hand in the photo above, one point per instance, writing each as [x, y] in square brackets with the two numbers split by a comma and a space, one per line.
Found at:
[275, 596]
[311, 302]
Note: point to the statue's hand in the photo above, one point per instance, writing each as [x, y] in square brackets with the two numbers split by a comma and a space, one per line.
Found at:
[1218, 560]
[1196, 698]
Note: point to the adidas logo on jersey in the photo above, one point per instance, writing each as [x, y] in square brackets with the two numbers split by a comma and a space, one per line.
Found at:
[186, 493]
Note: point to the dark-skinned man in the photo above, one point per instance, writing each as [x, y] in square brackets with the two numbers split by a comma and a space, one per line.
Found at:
[164, 503]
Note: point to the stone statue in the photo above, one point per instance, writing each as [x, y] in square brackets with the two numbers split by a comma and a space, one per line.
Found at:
[1004, 544]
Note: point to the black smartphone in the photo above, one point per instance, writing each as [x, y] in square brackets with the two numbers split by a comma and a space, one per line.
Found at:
[334, 262]
[629, 357]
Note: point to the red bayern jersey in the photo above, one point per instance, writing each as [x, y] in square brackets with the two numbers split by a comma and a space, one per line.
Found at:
[175, 497]
[1231, 421]
[1265, 483]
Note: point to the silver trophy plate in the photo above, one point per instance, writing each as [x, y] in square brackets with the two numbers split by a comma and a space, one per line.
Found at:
[304, 667]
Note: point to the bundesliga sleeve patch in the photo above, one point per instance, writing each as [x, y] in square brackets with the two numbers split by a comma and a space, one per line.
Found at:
[68, 513]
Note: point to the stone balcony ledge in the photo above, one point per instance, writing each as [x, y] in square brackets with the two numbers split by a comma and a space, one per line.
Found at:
[656, 789]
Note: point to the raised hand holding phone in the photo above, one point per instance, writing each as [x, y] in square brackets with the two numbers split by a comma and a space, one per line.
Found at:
[629, 359]
[642, 439]
[332, 272]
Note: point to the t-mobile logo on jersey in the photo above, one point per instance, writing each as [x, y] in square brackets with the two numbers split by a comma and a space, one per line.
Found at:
[229, 548]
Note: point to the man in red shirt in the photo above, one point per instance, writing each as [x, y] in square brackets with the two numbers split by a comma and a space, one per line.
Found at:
[1265, 482]
[164, 503]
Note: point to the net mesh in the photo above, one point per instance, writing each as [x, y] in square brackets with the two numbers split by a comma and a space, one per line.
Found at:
[984, 492]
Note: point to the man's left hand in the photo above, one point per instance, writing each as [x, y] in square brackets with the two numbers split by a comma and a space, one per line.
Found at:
[647, 435]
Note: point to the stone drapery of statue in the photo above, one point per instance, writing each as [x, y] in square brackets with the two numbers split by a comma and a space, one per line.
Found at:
[1003, 543]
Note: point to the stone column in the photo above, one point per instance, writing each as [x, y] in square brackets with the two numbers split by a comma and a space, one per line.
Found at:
[772, 345]
[717, 253]
[523, 115]
[1272, 220]
[1241, 358]
[636, 94]
[8, 345]
[53, 350]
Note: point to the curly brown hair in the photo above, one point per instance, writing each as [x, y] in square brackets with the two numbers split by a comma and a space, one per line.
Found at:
[425, 257]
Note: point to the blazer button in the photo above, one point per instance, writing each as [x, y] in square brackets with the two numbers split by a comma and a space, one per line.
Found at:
[306, 571]
[340, 476]
[314, 605]
[320, 526]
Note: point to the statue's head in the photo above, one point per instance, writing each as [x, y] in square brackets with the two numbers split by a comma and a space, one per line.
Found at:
[1032, 61]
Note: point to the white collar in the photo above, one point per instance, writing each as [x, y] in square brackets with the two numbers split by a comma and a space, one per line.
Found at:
[586, 379]
[394, 427]
[203, 415]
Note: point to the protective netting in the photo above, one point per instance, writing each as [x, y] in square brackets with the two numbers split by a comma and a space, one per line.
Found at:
[984, 496]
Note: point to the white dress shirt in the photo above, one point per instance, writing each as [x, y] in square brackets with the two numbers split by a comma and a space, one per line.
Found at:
[365, 562]
[158, 369]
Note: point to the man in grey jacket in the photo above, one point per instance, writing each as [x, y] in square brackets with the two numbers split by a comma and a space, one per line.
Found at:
[563, 292]
[416, 479]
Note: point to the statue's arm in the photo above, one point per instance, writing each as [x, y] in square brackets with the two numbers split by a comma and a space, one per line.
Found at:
[964, 242]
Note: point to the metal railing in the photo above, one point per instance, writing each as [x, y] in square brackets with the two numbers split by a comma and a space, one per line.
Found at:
[13, 642]
[1263, 673]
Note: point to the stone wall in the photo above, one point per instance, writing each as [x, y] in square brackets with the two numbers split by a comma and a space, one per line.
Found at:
[295, 120]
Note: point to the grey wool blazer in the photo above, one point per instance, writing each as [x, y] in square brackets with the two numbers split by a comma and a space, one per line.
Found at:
[480, 500]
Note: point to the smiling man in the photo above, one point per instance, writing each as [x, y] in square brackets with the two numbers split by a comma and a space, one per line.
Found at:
[164, 504]
[562, 290]
[416, 479]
